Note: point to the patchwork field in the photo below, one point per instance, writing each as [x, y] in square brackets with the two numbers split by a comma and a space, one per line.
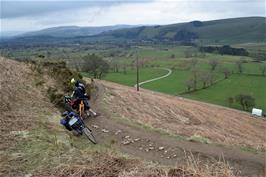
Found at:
[236, 84]
[249, 82]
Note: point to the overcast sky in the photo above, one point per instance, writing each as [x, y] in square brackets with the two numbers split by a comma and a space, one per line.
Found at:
[21, 15]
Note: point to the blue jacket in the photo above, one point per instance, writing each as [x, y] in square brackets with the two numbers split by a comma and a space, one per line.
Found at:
[79, 91]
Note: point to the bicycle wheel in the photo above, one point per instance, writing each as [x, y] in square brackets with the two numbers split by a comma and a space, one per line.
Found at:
[89, 135]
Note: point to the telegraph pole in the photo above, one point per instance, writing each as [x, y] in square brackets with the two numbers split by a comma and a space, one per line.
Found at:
[137, 72]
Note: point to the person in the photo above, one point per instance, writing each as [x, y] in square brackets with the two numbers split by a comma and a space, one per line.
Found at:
[80, 93]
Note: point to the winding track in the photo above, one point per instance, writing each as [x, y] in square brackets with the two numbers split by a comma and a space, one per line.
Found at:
[157, 78]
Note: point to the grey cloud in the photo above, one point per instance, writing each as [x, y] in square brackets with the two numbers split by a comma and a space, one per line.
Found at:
[234, 6]
[227, 8]
[13, 9]
[19, 8]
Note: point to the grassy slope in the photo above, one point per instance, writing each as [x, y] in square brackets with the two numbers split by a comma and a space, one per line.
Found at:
[226, 31]
[237, 30]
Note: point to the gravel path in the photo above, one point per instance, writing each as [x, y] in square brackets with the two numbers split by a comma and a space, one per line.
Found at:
[157, 78]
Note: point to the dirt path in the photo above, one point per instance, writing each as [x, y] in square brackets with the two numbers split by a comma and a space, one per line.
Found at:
[157, 78]
[152, 145]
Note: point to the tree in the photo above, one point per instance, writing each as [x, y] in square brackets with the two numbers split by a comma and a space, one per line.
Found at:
[114, 66]
[172, 56]
[263, 68]
[103, 68]
[195, 77]
[194, 62]
[226, 73]
[78, 64]
[207, 78]
[191, 52]
[117, 67]
[213, 63]
[246, 101]
[41, 56]
[142, 63]
[230, 101]
[189, 84]
[132, 66]
[124, 68]
[239, 65]
[187, 54]
[202, 54]
[211, 78]
[95, 65]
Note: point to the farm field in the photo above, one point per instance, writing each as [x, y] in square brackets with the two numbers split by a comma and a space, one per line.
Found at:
[218, 93]
[249, 82]
[236, 84]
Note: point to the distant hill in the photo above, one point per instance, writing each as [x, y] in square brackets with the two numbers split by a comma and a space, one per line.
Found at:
[215, 32]
[74, 31]
[226, 31]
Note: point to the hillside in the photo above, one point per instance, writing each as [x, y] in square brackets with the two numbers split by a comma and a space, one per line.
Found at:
[226, 31]
[179, 116]
[32, 143]
[146, 121]
[74, 31]
[139, 133]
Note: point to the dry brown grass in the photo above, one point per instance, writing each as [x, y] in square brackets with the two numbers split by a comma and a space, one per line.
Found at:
[101, 164]
[21, 102]
[186, 117]
[111, 166]
[22, 107]
[193, 168]
[216, 168]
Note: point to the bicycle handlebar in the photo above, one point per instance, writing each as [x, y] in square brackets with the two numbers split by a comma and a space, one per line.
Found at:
[85, 97]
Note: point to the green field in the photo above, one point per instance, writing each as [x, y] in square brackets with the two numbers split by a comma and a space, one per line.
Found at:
[250, 82]
[130, 78]
[236, 84]
[173, 84]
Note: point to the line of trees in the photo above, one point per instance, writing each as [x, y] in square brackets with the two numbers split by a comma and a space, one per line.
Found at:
[207, 78]
[225, 50]
[214, 64]
[204, 77]
[246, 101]
[120, 67]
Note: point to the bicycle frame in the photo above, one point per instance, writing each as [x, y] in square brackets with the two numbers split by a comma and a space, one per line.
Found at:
[81, 108]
